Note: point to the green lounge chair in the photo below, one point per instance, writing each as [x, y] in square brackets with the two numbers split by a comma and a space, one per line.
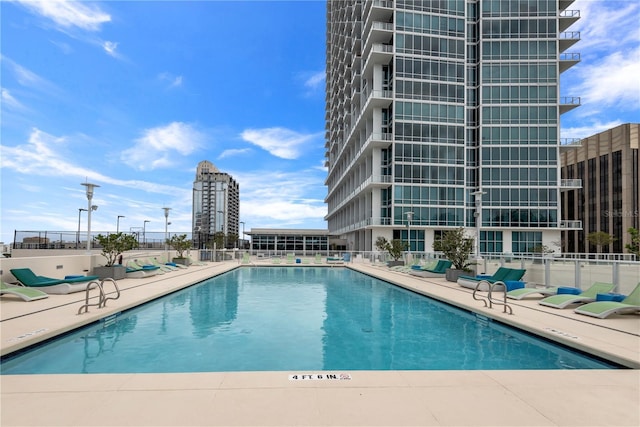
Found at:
[27, 294]
[589, 295]
[28, 278]
[502, 274]
[166, 267]
[147, 268]
[603, 309]
[50, 285]
[525, 292]
[194, 262]
[438, 271]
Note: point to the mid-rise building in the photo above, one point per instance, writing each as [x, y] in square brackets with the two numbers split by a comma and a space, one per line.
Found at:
[446, 114]
[216, 206]
[607, 165]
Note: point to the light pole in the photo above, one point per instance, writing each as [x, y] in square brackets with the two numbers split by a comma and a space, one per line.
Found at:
[144, 233]
[166, 232]
[118, 223]
[478, 214]
[224, 237]
[78, 235]
[409, 218]
[89, 187]
[242, 222]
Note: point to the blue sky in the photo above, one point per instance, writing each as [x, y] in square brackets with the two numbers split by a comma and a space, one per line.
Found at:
[131, 95]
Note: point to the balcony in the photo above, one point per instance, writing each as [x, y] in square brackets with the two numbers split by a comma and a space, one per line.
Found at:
[379, 53]
[568, 103]
[568, 18]
[570, 184]
[380, 32]
[564, 4]
[570, 143]
[566, 224]
[568, 60]
[568, 39]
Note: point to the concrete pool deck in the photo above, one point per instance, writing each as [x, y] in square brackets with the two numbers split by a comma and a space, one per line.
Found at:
[368, 398]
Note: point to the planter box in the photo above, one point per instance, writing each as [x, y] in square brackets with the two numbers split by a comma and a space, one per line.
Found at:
[451, 274]
[394, 263]
[115, 272]
[183, 261]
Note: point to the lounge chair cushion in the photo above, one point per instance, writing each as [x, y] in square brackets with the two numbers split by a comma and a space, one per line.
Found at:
[589, 295]
[604, 309]
[27, 294]
[28, 278]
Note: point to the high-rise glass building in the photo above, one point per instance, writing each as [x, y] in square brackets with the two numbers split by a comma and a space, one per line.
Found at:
[216, 206]
[446, 113]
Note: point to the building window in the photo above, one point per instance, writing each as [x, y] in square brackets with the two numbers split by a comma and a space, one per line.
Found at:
[526, 241]
[491, 242]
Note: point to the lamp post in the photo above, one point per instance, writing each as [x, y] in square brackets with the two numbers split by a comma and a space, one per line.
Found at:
[144, 233]
[166, 232]
[478, 215]
[242, 222]
[118, 223]
[224, 237]
[78, 235]
[89, 188]
[409, 218]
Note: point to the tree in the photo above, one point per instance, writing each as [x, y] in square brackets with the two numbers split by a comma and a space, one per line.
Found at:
[599, 239]
[179, 243]
[395, 247]
[115, 244]
[634, 246]
[218, 240]
[381, 243]
[456, 247]
[232, 239]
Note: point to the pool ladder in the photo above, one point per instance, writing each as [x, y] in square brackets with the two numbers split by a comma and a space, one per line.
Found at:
[102, 298]
[489, 300]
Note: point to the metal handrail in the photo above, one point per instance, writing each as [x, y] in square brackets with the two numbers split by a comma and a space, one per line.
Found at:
[102, 297]
[497, 302]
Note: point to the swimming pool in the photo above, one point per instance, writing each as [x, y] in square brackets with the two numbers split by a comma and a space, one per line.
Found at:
[294, 319]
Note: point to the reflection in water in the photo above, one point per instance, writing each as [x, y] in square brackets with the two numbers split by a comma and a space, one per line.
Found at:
[104, 340]
[212, 307]
[293, 319]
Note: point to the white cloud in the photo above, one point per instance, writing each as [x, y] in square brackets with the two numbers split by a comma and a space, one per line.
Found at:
[110, 47]
[600, 19]
[28, 78]
[606, 79]
[612, 81]
[592, 129]
[280, 142]
[174, 81]
[158, 146]
[275, 198]
[45, 155]
[315, 81]
[234, 152]
[9, 101]
[69, 14]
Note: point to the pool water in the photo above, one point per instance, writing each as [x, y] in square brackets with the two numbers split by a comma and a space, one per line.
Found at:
[294, 319]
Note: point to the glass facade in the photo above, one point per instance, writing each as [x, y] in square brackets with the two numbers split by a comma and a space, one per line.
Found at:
[216, 206]
[429, 101]
[300, 244]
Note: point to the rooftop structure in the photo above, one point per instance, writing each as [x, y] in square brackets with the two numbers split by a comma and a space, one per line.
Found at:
[447, 114]
[216, 206]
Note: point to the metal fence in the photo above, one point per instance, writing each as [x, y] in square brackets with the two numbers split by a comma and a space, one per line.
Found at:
[75, 240]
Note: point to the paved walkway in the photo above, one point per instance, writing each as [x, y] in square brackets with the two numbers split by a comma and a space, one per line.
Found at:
[369, 398]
